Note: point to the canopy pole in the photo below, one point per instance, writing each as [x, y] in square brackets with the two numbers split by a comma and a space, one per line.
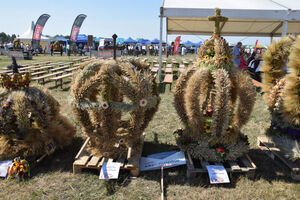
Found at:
[160, 43]
[284, 28]
[166, 45]
[271, 38]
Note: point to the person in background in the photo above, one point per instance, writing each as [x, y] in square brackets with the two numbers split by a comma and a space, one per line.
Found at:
[251, 58]
[254, 67]
[22, 45]
[51, 49]
[236, 54]
[61, 49]
[243, 64]
[44, 50]
[183, 49]
[68, 49]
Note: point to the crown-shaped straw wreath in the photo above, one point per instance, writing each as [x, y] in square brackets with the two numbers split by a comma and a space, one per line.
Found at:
[281, 85]
[30, 123]
[113, 102]
[214, 100]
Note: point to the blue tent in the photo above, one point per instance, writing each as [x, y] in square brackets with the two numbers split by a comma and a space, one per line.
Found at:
[82, 38]
[145, 42]
[189, 43]
[198, 44]
[119, 40]
[155, 41]
[130, 41]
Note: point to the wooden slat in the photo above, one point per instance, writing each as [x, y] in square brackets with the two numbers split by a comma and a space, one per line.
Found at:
[154, 70]
[82, 161]
[276, 152]
[94, 161]
[61, 77]
[47, 75]
[168, 78]
[82, 148]
[134, 160]
[168, 70]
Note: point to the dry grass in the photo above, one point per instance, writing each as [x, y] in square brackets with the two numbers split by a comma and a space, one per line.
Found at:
[53, 178]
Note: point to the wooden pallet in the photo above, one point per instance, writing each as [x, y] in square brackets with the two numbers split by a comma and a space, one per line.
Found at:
[275, 154]
[131, 161]
[242, 165]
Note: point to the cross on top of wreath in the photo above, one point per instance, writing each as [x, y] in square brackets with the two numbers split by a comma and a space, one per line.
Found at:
[217, 18]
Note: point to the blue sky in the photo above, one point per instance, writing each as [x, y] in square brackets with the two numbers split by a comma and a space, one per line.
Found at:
[134, 18]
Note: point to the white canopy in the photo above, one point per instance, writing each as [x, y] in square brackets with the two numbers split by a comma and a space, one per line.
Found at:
[246, 17]
[27, 35]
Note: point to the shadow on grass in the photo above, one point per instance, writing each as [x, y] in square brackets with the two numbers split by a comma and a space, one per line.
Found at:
[58, 86]
[266, 169]
[60, 160]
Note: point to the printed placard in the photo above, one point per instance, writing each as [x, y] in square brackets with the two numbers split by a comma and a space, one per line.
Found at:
[217, 174]
[165, 159]
[110, 170]
[4, 166]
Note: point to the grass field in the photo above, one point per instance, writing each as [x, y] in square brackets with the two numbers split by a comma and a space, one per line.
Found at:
[53, 177]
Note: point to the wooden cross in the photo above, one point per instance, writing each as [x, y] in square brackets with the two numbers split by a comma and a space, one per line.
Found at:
[115, 45]
[217, 18]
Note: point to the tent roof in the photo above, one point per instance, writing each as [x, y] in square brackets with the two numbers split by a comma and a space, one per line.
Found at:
[247, 18]
[130, 41]
[61, 39]
[27, 35]
[82, 38]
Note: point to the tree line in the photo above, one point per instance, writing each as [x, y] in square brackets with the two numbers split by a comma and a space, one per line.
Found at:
[5, 38]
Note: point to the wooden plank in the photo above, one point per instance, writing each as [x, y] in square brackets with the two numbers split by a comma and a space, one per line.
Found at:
[38, 73]
[82, 148]
[59, 68]
[47, 75]
[169, 66]
[94, 161]
[134, 160]
[82, 161]
[168, 70]
[154, 70]
[251, 163]
[168, 78]
[61, 77]
[276, 152]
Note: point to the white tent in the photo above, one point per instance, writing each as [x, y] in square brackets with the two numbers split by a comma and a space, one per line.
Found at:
[27, 35]
[246, 17]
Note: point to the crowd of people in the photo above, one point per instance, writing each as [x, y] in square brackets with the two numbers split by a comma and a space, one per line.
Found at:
[250, 61]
